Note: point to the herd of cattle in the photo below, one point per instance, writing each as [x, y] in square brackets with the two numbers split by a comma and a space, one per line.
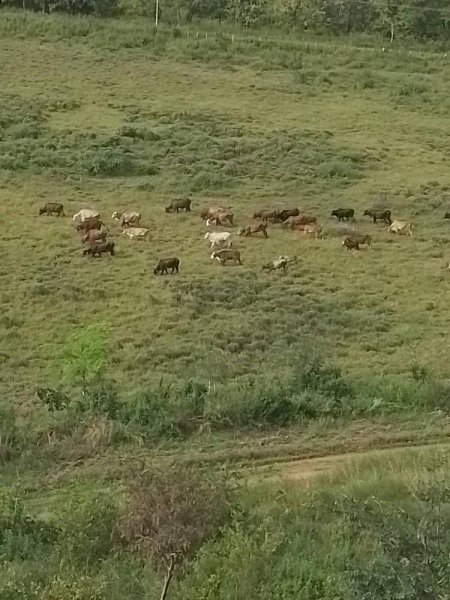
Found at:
[95, 233]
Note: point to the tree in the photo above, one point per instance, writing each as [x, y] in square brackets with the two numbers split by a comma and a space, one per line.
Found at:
[248, 13]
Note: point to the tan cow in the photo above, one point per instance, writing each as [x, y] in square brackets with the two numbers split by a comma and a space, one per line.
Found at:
[298, 221]
[84, 214]
[136, 233]
[127, 218]
[401, 228]
[253, 228]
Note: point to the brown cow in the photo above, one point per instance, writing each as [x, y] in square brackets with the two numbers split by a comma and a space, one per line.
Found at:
[266, 215]
[227, 254]
[253, 228]
[282, 215]
[209, 210]
[94, 235]
[99, 249]
[88, 224]
[299, 221]
[220, 217]
[353, 242]
[52, 208]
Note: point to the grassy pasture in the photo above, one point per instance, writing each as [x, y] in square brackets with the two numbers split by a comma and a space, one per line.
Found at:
[93, 126]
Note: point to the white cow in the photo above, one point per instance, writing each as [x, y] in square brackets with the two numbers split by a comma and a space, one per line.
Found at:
[219, 239]
[136, 233]
[84, 214]
[401, 228]
[126, 218]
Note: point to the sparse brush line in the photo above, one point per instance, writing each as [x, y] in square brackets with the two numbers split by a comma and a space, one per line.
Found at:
[200, 35]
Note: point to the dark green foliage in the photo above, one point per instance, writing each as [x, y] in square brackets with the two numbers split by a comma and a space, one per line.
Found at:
[21, 535]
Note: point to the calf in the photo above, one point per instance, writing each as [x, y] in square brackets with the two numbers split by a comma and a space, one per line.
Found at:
[253, 228]
[225, 255]
[343, 214]
[353, 242]
[379, 214]
[100, 248]
[164, 264]
[179, 204]
[52, 208]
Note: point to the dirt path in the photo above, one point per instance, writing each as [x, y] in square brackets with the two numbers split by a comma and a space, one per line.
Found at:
[308, 468]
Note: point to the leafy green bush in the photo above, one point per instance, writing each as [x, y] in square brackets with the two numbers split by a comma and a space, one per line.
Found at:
[86, 521]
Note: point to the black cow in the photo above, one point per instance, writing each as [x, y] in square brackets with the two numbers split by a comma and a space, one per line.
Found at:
[179, 204]
[379, 214]
[343, 214]
[165, 264]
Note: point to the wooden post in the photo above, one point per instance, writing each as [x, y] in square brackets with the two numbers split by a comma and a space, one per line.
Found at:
[168, 578]
[157, 13]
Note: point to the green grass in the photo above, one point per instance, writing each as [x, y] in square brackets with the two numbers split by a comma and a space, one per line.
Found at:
[224, 367]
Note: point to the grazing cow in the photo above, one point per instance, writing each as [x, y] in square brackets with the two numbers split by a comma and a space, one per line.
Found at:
[136, 233]
[401, 228]
[353, 242]
[282, 215]
[219, 239]
[165, 264]
[343, 214]
[299, 221]
[85, 213]
[100, 248]
[93, 236]
[379, 214]
[127, 218]
[253, 228]
[280, 263]
[179, 204]
[52, 208]
[89, 224]
[220, 217]
[224, 255]
[447, 215]
[266, 215]
[313, 230]
[207, 211]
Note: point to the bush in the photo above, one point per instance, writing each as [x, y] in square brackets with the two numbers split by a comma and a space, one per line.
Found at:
[86, 521]
[21, 535]
[172, 512]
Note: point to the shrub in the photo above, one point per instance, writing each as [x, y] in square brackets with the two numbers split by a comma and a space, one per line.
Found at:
[86, 521]
[20, 534]
[172, 511]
